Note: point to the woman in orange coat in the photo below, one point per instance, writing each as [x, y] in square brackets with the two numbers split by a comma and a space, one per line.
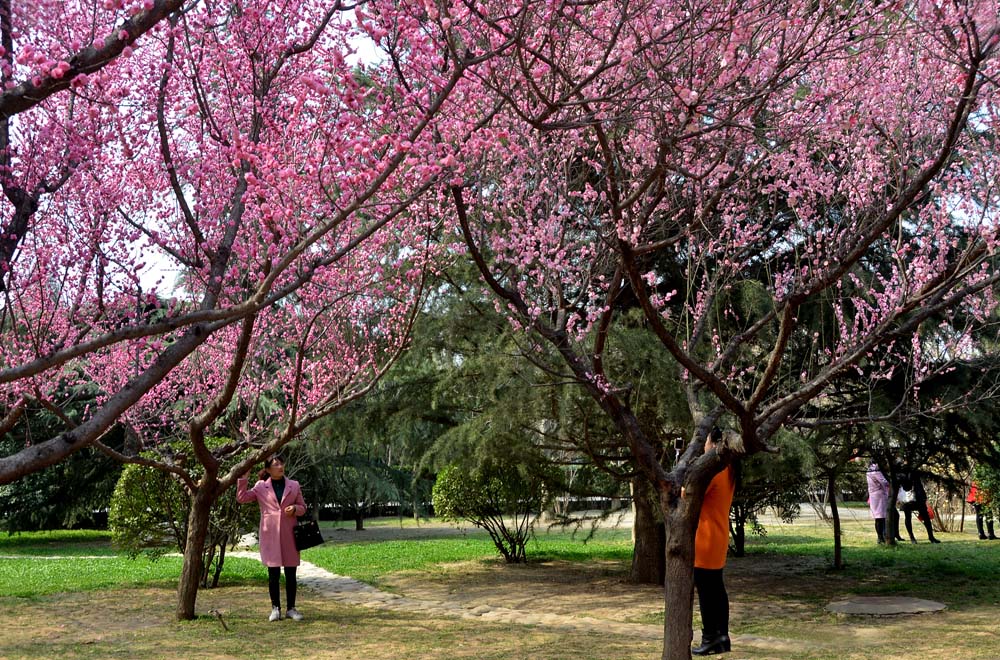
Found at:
[980, 501]
[711, 544]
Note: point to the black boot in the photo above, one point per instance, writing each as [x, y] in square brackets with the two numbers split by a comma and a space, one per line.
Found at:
[989, 528]
[979, 526]
[712, 643]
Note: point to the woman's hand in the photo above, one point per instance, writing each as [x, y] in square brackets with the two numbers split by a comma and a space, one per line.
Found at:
[290, 511]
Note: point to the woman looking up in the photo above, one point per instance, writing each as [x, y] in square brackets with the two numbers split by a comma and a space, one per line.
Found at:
[280, 501]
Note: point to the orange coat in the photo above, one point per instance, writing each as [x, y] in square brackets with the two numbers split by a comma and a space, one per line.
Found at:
[711, 541]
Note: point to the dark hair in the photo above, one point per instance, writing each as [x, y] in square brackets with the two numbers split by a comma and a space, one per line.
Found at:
[268, 462]
[715, 435]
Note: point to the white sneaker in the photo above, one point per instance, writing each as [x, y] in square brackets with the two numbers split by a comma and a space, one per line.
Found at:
[294, 614]
[275, 614]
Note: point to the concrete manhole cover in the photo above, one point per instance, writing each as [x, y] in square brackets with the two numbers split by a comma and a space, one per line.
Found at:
[884, 605]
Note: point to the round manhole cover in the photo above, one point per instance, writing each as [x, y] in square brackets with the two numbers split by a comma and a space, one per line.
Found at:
[884, 605]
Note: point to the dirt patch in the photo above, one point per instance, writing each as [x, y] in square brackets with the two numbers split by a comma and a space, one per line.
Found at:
[139, 623]
[597, 589]
[776, 607]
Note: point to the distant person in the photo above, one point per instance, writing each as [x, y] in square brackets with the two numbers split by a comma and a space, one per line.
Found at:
[913, 490]
[878, 500]
[710, 546]
[280, 501]
[980, 501]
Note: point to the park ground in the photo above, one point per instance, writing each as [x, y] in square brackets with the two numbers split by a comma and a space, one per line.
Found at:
[92, 603]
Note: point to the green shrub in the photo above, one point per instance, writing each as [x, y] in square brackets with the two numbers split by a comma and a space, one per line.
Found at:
[149, 514]
[501, 498]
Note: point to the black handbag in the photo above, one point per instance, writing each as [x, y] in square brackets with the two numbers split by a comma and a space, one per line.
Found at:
[306, 534]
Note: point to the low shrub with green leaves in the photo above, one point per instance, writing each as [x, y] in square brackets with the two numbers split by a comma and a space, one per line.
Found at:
[150, 510]
[501, 498]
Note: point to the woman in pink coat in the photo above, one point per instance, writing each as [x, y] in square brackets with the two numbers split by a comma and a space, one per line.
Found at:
[280, 501]
[878, 499]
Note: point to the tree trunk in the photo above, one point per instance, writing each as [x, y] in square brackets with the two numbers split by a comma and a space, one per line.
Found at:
[892, 520]
[739, 529]
[359, 520]
[221, 560]
[649, 536]
[191, 573]
[678, 594]
[831, 487]
[206, 562]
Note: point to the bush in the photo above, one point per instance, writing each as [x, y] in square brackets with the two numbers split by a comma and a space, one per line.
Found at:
[150, 510]
[501, 498]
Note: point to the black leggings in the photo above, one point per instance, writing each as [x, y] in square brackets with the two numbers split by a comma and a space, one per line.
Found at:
[983, 515]
[274, 585]
[713, 601]
[920, 508]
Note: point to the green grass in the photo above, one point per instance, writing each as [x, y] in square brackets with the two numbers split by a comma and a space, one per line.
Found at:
[367, 561]
[961, 571]
[84, 560]
[370, 561]
[407, 522]
[779, 590]
[31, 578]
[58, 542]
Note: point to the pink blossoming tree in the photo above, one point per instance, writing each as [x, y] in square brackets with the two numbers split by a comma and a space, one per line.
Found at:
[246, 148]
[683, 158]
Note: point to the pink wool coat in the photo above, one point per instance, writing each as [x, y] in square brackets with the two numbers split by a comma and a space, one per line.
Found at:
[277, 545]
[878, 492]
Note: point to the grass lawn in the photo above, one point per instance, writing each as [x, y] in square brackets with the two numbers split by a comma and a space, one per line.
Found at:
[371, 560]
[110, 607]
[59, 542]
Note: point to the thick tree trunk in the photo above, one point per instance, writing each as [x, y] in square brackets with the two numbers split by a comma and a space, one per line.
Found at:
[678, 594]
[831, 487]
[359, 520]
[649, 536]
[191, 573]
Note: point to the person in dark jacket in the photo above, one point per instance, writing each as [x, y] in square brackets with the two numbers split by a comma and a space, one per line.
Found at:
[909, 482]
